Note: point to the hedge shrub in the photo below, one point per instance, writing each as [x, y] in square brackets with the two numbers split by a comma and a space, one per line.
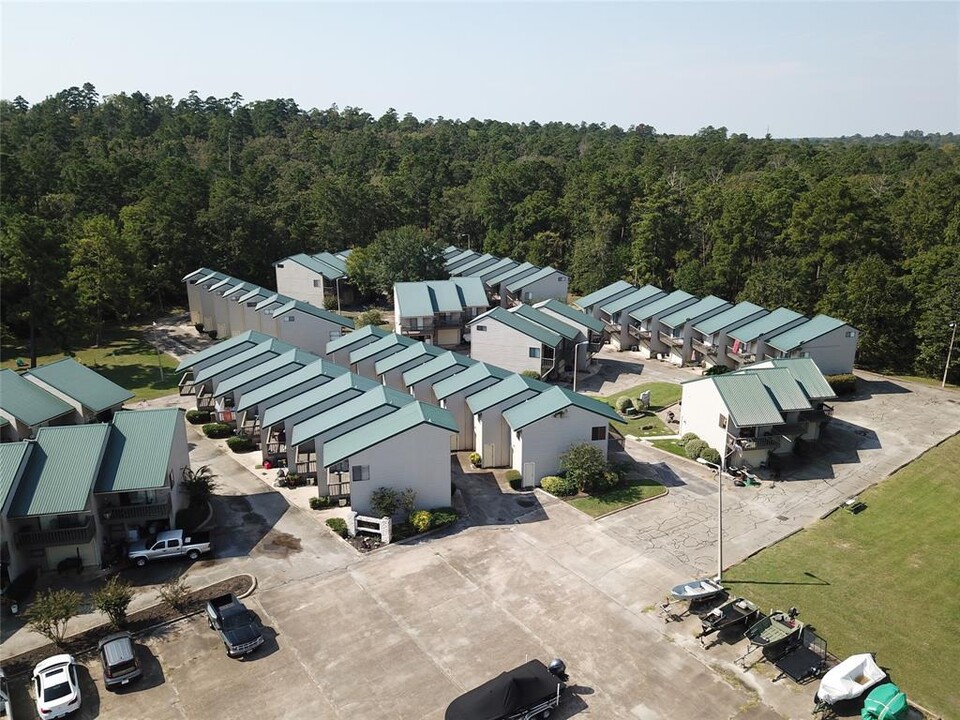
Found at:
[240, 443]
[623, 404]
[842, 384]
[441, 517]
[710, 455]
[638, 405]
[693, 448]
[421, 520]
[338, 525]
[319, 503]
[217, 430]
[561, 487]
[475, 459]
[198, 417]
[530, 374]
[687, 437]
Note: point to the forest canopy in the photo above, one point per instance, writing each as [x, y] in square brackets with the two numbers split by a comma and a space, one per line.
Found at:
[107, 202]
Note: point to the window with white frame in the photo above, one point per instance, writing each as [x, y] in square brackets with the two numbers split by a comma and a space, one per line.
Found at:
[535, 352]
[360, 473]
[318, 283]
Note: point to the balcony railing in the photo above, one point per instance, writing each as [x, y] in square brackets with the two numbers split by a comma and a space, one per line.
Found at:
[670, 339]
[741, 354]
[144, 511]
[421, 329]
[639, 333]
[60, 536]
[702, 347]
[757, 443]
[791, 429]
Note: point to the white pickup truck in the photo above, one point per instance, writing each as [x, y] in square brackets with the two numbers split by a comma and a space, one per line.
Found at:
[169, 544]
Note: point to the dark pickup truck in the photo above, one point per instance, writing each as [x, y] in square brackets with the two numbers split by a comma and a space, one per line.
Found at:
[237, 627]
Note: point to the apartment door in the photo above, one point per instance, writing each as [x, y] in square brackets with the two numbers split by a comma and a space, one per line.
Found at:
[529, 474]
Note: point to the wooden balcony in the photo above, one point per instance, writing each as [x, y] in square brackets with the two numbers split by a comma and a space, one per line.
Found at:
[186, 383]
[135, 513]
[60, 536]
[742, 355]
[669, 339]
[760, 443]
[638, 333]
[704, 348]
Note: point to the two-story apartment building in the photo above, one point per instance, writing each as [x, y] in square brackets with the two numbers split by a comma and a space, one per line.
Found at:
[92, 397]
[709, 339]
[420, 380]
[545, 284]
[25, 407]
[437, 311]
[592, 302]
[514, 343]
[491, 431]
[390, 369]
[309, 327]
[315, 279]
[676, 328]
[644, 322]
[748, 342]
[338, 351]
[452, 394]
[616, 313]
[829, 342]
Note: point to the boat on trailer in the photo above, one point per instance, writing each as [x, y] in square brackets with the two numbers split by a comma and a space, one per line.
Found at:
[848, 681]
[697, 590]
[775, 634]
[734, 612]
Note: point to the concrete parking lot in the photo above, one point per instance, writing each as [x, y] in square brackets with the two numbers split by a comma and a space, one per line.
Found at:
[400, 632]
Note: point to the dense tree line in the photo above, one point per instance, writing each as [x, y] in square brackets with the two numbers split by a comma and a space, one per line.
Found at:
[108, 202]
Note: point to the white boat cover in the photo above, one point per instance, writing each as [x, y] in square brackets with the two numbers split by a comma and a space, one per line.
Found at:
[850, 679]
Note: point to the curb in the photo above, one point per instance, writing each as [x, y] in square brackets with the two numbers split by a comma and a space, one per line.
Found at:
[606, 514]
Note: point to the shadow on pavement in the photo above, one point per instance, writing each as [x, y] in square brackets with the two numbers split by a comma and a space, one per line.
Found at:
[241, 522]
[869, 388]
[152, 673]
[485, 502]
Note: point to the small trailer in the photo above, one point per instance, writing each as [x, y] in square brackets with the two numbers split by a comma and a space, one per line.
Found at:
[529, 691]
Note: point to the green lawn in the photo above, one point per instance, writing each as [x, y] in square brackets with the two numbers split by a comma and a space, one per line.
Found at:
[671, 446]
[629, 494]
[125, 357]
[661, 395]
[886, 580]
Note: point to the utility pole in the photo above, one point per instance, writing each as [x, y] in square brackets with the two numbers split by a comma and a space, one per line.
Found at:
[946, 368]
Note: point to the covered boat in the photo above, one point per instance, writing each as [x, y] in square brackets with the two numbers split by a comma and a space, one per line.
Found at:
[525, 692]
[849, 679]
[885, 702]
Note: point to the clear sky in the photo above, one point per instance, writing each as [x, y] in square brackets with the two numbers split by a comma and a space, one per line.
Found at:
[795, 69]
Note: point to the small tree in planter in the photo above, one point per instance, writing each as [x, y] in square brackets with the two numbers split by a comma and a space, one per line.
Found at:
[113, 599]
[174, 593]
[385, 501]
[50, 612]
[585, 466]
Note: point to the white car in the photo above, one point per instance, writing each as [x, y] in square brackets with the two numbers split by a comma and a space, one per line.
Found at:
[56, 686]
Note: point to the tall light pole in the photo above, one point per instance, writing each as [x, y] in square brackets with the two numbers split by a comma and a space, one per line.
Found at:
[946, 368]
[575, 366]
[719, 468]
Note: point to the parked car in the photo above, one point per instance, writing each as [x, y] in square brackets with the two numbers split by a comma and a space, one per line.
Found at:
[56, 686]
[169, 544]
[235, 624]
[118, 656]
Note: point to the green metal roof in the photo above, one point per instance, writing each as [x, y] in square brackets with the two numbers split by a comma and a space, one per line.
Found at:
[450, 250]
[265, 350]
[663, 305]
[13, 459]
[577, 316]
[785, 390]
[138, 450]
[413, 299]
[468, 378]
[337, 261]
[256, 295]
[274, 299]
[493, 270]
[553, 401]
[404, 419]
[437, 365]
[518, 323]
[315, 311]
[747, 400]
[462, 257]
[471, 292]
[388, 344]
[514, 273]
[91, 389]
[539, 317]
[421, 351]
[292, 360]
[241, 287]
[27, 401]
[762, 326]
[319, 265]
[319, 368]
[633, 300]
[236, 344]
[352, 338]
[737, 315]
[504, 390]
[226, 282]
[347, 384]
[365, 408]
[197, 274]
[519, 283]
[709, 306]
[477, 263]
[213, 278]
[428, 297]
[805, 332]
[605, 294]
[805, 372]
[61, 471]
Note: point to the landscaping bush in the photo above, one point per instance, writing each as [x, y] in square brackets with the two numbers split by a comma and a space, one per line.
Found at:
[623, 404]
[717, 370]
[441, 517]
[217, 430]
[240, 444]
[531, 374]
[198, 417]
[50, 612]
[421, 520]
[113, 599]
[638, 405]
[319, 503]
[338, 525]
[384, 502]
[710, 455]
[693, 448]
[687, 437]
[842, 384]
[475, 459]
[368, 317]
[330, 303]
[561, 487]
[174, 593]
[514, 478]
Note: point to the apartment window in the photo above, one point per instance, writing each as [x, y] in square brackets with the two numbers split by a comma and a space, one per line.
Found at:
[318, 283]
[334, 334]
[280, 266]
[360, 473]
[599, 433]
[289, 318]
[340, 467]
[535, 352]
[851, 333]
[528, 296]
[723, 421]
[481, 328]
[251, 304]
